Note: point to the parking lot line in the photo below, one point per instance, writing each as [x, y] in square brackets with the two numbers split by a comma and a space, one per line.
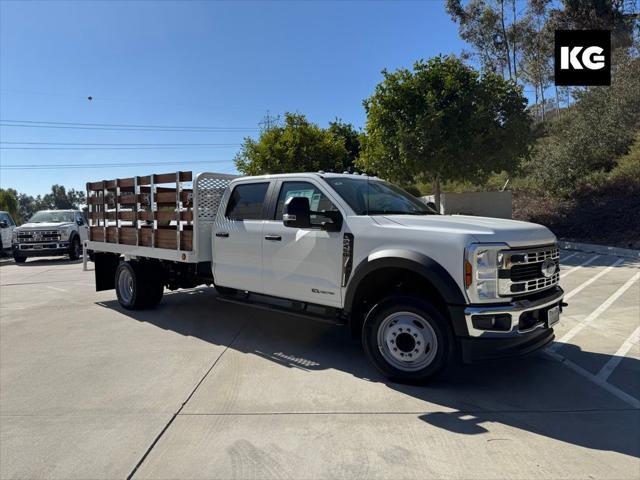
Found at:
[584, 264]
[569, 256]
[593, 279]
[596, 313]
[634, 339]
[613, 390]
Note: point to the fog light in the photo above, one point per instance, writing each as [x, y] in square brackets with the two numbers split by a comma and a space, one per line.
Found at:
[500, 323]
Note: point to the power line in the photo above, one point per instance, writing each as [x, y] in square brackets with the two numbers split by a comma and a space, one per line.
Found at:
[127, 144]
[119, 126]
[113, 148]
[105, 165]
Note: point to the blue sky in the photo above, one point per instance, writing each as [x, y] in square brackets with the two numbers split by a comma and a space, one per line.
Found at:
[220, 64]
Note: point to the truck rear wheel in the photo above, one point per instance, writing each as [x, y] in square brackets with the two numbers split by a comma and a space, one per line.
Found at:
[407, 339]
[137, 287]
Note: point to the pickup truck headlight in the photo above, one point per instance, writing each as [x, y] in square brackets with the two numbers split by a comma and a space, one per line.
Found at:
[481, 265]
[64, 233]
[14, 236]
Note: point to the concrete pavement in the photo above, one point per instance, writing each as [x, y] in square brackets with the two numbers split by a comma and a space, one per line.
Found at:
[203, 389]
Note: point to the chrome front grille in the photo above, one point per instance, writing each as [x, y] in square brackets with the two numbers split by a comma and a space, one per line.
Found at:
[38, 236]
[528, 270]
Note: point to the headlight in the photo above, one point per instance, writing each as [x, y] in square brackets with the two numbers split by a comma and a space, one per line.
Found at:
[481, 265]
[64, 233]
[14, 236]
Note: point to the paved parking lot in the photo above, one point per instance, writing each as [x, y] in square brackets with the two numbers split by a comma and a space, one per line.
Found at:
[204, 389]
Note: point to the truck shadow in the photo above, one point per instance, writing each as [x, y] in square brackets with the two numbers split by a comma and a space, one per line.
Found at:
[535, 393]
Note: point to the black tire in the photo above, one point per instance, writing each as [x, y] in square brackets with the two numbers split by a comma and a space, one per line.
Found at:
[137, 287]
[19, 258]
[422, 333]
[75, 249]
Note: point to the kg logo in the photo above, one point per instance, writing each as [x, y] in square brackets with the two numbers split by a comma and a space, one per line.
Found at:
[582, 57]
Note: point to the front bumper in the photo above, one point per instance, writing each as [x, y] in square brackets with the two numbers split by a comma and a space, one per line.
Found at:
[44, 249]
[521, 327]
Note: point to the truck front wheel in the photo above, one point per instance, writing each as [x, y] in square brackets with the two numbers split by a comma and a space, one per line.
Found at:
[136, 287]
[75, 249]
[407, 339]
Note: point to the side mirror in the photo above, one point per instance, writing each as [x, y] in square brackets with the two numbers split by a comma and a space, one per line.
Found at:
[297, 213]
[432, 206]
[79, 222]
[335, 225]
[3, 224]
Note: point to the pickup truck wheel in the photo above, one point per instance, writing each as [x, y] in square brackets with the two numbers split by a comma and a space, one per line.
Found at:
[407, 340]
[75, 250]
[19, 258]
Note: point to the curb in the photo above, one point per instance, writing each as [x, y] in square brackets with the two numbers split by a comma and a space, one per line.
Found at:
[600, 249]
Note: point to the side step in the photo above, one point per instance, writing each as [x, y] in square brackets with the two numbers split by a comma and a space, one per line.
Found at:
[294, 308]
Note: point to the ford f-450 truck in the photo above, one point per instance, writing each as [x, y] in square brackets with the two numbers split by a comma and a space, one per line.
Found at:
[418, 287]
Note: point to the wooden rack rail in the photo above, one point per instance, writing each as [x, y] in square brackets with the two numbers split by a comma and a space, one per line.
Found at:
[136, 211]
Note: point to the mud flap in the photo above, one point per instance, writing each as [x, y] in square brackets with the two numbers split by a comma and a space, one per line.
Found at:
[105, 270]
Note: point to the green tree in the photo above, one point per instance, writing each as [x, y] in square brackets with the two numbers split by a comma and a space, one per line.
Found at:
[592, 134]
[443, 121]
[9, 202]
[350, 137]
[61, 199]
[297, 145]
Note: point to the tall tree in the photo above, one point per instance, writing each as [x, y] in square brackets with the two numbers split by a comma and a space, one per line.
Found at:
[61, 199]
[350, 137]
[443, 121]
[291, 147]
[9, 202]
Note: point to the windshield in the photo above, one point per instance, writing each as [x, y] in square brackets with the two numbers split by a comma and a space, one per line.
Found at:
[52, 217]
[375, 197]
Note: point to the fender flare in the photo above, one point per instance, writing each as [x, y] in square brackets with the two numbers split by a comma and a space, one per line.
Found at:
[410, 260]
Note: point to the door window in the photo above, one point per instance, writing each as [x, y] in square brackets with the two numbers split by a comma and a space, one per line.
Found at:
[247, 201]
[7, 218]
[80, 218]
[318, 201]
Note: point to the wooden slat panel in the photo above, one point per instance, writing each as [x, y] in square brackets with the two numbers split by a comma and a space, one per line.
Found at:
[128, 235]
[127, 182]
[96, 234]
[165, 178]
[145, 236]
[130, 216]
[95, 186]
[127, 199]
[96, 215]
[95, 200]
[146, 180]
[111, 184]
[186, 176]
[111, 234]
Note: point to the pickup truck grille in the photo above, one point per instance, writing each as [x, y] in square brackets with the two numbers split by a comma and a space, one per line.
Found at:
[527, 271]
[38, 236]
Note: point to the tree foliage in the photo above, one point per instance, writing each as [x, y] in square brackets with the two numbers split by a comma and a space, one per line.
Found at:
[9, 202]
[444, 120]
[589, 136]
[297, 145]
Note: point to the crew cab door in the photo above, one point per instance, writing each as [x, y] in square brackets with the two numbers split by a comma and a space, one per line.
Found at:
[6, 230]
[237, 238]
[302, 263]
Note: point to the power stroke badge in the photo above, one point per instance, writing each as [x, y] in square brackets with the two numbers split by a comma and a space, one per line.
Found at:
[582, 57]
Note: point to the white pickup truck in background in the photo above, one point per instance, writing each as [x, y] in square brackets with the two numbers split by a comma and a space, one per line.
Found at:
[50, 233]
[420, 288]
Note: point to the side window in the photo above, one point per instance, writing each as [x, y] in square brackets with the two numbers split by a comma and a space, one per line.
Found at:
[5, 217]
[80, 218]
[318, 201]
[246, 201]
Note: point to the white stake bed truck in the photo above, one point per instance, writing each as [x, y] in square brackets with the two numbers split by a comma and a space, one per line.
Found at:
[419, 288]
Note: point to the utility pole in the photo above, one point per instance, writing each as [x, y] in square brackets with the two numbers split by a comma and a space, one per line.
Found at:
[268, 122]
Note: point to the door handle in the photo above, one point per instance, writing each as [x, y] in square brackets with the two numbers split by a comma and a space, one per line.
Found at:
[275, 238]
[222, 234]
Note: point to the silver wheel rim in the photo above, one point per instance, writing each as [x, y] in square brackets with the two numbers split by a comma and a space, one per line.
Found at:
[125, 285]
[407, 341]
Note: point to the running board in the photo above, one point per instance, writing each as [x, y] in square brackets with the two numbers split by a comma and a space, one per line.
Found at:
[324, 314]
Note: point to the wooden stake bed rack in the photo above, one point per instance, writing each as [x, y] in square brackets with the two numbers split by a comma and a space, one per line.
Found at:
[136, 211]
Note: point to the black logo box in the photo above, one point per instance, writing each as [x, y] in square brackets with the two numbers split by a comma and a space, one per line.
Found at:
[585, 76]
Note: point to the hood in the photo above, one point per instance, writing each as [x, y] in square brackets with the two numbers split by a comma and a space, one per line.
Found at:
[44, 225]
[484, 229]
